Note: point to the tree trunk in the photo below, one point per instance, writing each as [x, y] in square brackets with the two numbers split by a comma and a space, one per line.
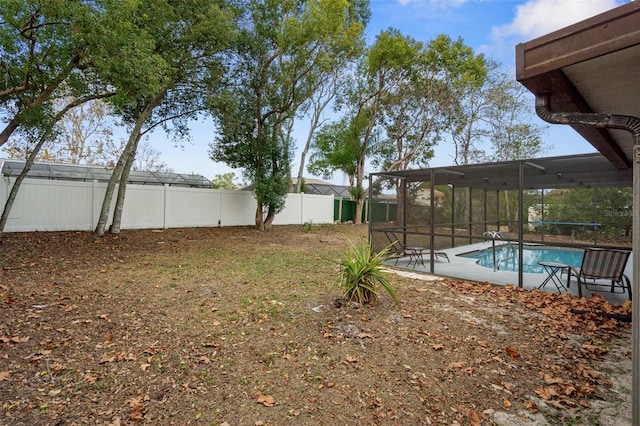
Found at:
[106, 202]
[315, 123]
[122, 188]
[508, 212]
[129, 150]
[401, 203]
[268, 222]
[359, 202]
[34, 153]
[259, 215]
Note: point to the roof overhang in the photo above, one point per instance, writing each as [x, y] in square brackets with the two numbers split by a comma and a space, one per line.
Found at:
[591, 66]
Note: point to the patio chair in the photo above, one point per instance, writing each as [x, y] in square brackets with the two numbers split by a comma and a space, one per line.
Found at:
[399, 250]
[602, 264]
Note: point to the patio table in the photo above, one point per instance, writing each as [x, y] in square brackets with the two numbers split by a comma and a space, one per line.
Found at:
[552, 269]
[415, 255]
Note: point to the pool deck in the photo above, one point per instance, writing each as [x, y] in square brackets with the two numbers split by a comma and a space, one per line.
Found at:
[467, 269]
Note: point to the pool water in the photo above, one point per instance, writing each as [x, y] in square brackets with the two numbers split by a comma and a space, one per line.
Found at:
[508, 259]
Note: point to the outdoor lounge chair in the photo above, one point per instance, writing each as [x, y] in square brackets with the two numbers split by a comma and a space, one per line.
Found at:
[602, 264]
[415, 254]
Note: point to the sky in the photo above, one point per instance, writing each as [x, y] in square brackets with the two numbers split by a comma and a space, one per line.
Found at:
[490, 27]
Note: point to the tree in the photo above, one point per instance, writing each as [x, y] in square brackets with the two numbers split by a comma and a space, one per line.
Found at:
[147, 159]
[224, 181]
[42, 134]
[43, 45]
[414, 112]
[84, 135]
[321, 98]
[183, 41]
[81, 136]
[337, 147]
[397, 98]
[492, 122]
[285, 48]
[512, 134]
[383, 66]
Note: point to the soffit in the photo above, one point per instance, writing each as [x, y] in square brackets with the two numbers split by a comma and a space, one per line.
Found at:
[592, 66]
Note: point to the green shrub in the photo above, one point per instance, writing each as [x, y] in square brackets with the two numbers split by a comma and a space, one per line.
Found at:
[362, 275]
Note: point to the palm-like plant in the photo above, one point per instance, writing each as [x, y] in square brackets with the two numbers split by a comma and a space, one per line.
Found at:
[362, 274]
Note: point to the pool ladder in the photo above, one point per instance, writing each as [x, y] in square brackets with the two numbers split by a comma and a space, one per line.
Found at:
[496, 235]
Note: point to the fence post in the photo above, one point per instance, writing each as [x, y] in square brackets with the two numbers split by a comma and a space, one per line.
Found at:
[165, 206]
[94, 196]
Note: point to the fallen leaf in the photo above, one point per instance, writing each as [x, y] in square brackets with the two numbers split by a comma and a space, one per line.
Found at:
[57, 367]
[364, 335]
[106, 359]
[4, 375]
[204, 360]
[266, 400]
[506, 403]
[512, 352]
[531, 406]
[457, 364]
[137, 412]
[350, 359]
[144, 366]
[475, 418]
[437, 346]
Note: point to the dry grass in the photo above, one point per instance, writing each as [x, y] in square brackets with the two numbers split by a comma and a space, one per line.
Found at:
[233, 326]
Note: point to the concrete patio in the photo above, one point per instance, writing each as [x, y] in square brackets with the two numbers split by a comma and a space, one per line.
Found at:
[465, 268]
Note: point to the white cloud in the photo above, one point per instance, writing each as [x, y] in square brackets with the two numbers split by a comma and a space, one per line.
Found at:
[537, 17]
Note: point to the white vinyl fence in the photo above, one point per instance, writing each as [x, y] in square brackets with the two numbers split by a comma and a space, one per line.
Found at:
[57, 205]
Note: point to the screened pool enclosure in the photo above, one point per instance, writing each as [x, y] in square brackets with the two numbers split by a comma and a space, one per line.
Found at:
[570, 201]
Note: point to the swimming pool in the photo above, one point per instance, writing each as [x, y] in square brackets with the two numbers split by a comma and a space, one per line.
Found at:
[508, 259]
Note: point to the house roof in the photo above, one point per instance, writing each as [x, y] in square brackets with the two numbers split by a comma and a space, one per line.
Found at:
[80, 172]
[590, 67]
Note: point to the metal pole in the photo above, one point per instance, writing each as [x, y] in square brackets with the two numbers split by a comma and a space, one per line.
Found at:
[631, 124]
[635, 334]
[520, 223]
[453, 216]
[432, 229]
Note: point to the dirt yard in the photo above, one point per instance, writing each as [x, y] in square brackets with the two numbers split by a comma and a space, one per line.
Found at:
[230, 326]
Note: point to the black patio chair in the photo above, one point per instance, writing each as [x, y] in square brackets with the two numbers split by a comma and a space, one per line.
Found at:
[399, 250]
[599, 265]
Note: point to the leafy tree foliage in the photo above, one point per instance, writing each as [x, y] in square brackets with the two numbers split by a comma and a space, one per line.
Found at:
[397, 101]
[43, 46]
[224, 181]
[83, 135]
[186, 40]
[284, 50]
[492, 121]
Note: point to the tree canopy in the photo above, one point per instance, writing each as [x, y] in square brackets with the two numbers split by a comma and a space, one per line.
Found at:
[284, 49]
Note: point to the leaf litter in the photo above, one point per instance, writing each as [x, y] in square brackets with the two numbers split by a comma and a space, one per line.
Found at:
[220, 325]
